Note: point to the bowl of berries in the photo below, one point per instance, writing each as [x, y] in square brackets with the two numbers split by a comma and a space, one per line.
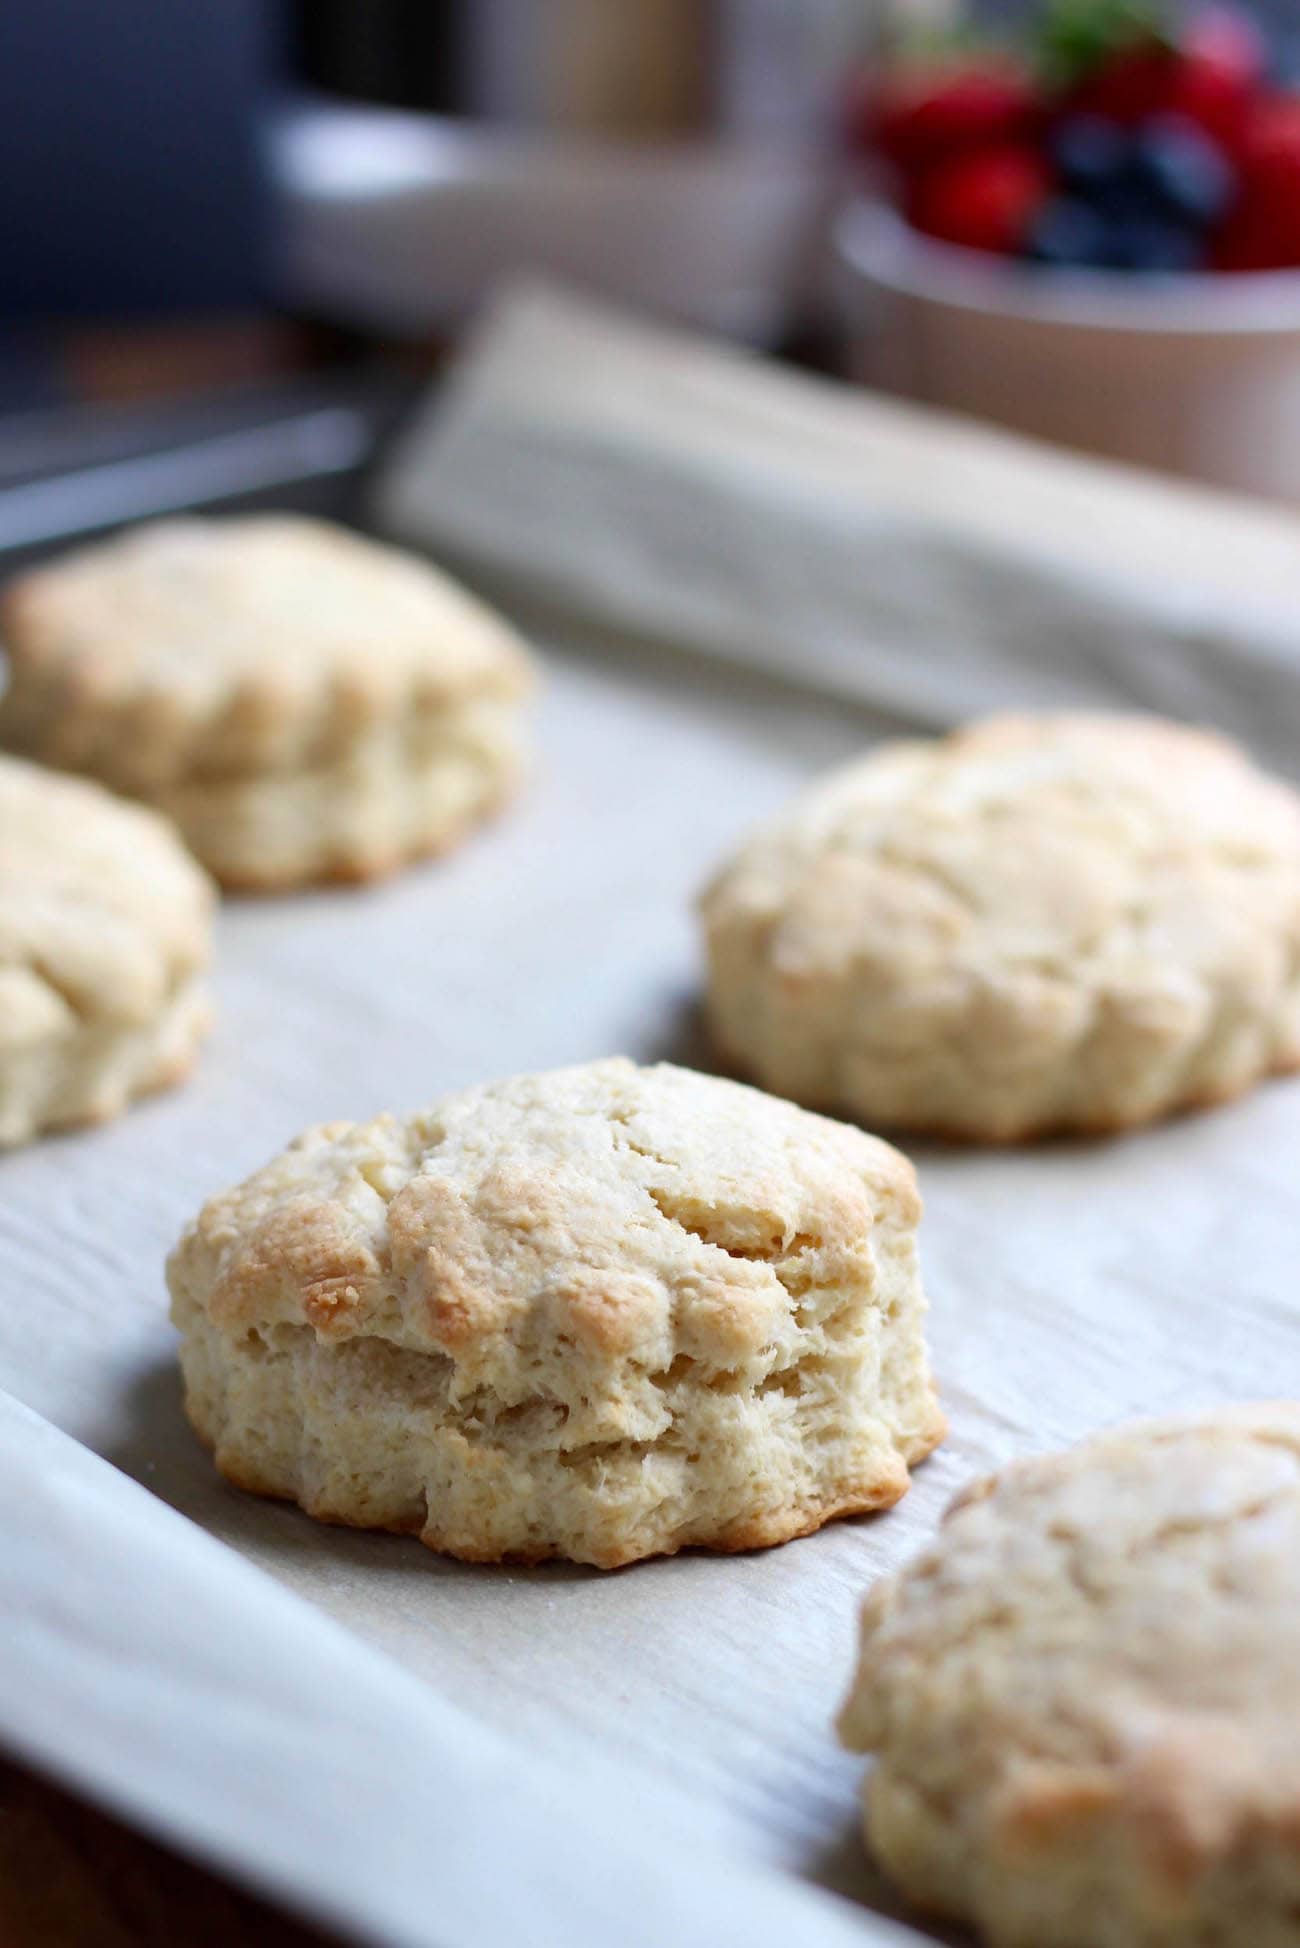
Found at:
[1092, 236]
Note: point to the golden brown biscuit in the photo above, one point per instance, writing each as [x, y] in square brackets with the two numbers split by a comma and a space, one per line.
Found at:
[603, 1313]
[1083, 1698]
[105, 934]
[306, 704]
[1037, 924]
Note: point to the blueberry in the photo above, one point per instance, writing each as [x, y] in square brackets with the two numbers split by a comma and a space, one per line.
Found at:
[1066, 232]
[1139, 244]
[1182, 170]
[1091, 152]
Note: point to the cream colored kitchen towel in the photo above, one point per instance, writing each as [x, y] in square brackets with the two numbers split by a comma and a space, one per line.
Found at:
[622, 475]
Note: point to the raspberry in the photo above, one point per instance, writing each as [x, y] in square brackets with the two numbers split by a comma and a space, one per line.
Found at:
[986, 201]
[1127, 86]
[920, 118]
[1263, 229]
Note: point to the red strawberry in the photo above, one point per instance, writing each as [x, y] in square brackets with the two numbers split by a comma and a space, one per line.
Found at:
[1218, 74]
[917, 117]
[1262, 231]
[1213, 77]
[1129, 85]
[985, 201]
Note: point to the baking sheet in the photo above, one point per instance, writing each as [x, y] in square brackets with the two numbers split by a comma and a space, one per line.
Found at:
[574, 1756]
[1072, 1286]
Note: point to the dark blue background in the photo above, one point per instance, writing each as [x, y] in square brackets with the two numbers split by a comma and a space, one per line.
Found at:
[129, 177]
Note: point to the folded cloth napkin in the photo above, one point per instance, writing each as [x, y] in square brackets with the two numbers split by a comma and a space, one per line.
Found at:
[620, 475]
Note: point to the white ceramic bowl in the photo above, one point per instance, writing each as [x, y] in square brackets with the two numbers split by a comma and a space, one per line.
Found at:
[1194, 374]
[403, 224]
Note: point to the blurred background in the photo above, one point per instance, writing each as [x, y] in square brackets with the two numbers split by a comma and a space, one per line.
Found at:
[320, 193]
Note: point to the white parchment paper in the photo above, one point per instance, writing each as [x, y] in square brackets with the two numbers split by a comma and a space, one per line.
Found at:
[432, 1752]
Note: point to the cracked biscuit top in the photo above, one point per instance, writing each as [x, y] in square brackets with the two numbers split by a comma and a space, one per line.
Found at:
[1083, 1697]
[220, 648]
[1037, 923]
[604, 1313]
[610, 1209]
